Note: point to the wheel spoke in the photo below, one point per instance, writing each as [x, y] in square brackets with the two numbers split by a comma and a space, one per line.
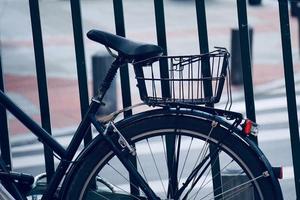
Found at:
[186, 157]
[115, 186]
[237, 192]
[156, 167]
[237, 187]
[210, 180]
[140, 165]
[164, 148]
[205, 147]
[124, 179]
[196, 174]
[203, 153]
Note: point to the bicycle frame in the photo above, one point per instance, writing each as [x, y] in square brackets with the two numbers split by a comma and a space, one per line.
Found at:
[66, 155]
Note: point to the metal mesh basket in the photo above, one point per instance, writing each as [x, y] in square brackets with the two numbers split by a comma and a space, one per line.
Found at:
[192, 79]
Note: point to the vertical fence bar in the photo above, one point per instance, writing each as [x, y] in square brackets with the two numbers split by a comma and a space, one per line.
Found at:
[124, 74]
[4, 135]
[290, 90]
[206, 72]
[162, 42]
[203, 43]
[172, 160]
[161, 29]
[125, 84]
[42, 81]
[246, 61]
[80, 63]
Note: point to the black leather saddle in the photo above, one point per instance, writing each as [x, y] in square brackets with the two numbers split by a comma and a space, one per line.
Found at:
[126, 48]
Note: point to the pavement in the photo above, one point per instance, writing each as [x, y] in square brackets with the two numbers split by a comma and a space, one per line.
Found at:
[21, 84]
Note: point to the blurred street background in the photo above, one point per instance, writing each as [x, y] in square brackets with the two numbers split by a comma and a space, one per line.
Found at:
[21, 85]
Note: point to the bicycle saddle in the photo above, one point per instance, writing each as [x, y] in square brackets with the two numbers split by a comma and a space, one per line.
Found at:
[126, 48]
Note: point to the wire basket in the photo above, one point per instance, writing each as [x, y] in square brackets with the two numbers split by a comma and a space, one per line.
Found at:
[192, 79]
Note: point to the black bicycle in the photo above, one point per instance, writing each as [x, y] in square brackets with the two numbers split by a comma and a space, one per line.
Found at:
[180, 149]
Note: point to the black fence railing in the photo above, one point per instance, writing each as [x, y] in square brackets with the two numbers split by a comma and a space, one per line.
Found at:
[42, 80]
[4, 137]
[161, 40]
[290, 89]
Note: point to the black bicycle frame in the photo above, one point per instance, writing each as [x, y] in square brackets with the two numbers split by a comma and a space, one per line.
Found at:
[66, 155]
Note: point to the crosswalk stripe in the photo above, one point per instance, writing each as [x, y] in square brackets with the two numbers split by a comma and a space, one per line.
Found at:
[281, 91]
[263, 104]
[64, 141]
[288, 172]
[273, 135]
[273, 118]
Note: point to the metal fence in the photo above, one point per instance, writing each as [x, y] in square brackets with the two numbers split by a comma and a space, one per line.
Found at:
[161, 40]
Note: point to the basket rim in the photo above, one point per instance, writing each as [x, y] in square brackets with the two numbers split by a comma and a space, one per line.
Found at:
[219, 51]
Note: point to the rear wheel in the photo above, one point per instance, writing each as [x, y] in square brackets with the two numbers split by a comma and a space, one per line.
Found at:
[195, 146]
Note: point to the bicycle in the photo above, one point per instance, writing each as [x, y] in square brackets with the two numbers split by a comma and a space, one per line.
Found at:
[169, 152]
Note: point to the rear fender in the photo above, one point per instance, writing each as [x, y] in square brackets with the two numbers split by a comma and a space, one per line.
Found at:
[236, 132]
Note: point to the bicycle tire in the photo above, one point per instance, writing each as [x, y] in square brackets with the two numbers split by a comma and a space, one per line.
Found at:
[101, 160]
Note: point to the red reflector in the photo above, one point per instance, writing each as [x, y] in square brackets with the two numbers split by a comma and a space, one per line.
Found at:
[278, 172]
[248, 126]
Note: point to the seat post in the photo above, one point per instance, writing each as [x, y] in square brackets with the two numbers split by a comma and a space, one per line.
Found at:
[109, 78]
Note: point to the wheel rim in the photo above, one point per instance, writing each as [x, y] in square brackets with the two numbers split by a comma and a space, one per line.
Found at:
[152, 165]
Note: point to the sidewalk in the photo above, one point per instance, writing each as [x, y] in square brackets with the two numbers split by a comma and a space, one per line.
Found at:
[63, 99]
[181, 28]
